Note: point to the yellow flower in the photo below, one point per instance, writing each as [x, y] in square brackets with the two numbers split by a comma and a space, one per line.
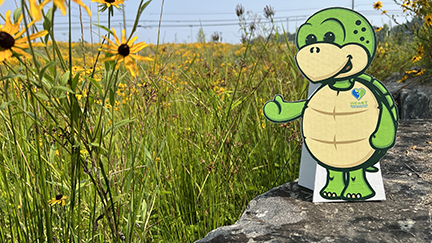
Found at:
[420, 50]
[403, 79]
[1, 2]
[58, 199]
[420, 72]
[384, 12]
[378, 29]
[415, 59]
[110, 3]
[123, 52]
[35, 9]
[428, 19]
[378, 5]
[10, 38]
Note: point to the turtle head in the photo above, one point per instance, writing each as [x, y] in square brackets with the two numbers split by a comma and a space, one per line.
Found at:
[335, 44]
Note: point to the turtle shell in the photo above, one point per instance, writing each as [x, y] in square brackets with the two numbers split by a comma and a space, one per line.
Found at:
[337, 125]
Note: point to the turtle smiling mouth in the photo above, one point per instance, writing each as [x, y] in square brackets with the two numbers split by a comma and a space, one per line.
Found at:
[348, 66]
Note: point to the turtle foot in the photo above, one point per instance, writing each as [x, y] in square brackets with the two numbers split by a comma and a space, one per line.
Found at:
[334, 186]
[330, 195]
[358, 189]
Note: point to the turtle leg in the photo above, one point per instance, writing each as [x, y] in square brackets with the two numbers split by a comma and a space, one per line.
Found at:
[334, 185]
[358, 187]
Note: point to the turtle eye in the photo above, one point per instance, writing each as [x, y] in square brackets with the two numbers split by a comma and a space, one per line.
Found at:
[310, 39]
[329, 37]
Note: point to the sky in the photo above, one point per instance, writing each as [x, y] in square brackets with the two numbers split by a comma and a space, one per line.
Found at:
[182, 19]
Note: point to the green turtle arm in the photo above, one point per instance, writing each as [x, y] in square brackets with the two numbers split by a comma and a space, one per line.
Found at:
[280, 111]
[384, 135]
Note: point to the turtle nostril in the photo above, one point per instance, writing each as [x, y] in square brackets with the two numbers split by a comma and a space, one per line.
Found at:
[311, 50]
[317, 50]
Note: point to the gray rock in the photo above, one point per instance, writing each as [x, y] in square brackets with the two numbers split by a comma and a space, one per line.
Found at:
[414, 104]
[287, 214]
[412, 96]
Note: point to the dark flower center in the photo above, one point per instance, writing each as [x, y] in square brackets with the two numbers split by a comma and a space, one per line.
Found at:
[109, 1]
[123, 49]
[59, 196]
[6, 40]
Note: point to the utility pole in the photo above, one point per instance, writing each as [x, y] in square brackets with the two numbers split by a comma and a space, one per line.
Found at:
[287, 25]
[124, 18]
[191, 33]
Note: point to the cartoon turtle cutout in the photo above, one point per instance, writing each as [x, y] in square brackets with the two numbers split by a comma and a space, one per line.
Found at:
[350, 121]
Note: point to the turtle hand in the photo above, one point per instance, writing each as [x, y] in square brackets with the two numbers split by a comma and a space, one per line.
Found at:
[278, 110]
[273, 108]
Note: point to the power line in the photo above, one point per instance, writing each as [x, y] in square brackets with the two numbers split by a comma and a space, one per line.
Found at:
[375, 13]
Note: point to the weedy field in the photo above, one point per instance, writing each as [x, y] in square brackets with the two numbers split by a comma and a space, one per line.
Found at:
[123, 141]
[102, 145]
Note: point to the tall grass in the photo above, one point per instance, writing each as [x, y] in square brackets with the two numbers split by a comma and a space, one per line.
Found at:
[166, 156]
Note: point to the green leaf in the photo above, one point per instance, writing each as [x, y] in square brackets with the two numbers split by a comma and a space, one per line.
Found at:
[97, 145]
[111, 97]
[16, 14]
[119, 124]
[12, 77]
[75, 81]
[105, 28]
[52, 154]
[48, 20]
[140, 11]
[43, 70]
[6, 104]
[64, 88]
[96, 84]
[64, 79]
[32, 115]
[59, 185]
[42, 96]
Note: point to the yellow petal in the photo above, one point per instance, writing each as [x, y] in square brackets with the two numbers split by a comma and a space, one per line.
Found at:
[117, 66]
[140, 58]
[131, 41]
[136, 48]
[83, 5]
[39, 34]
[109, 41]
[21, 52]
[112, 58]
[109, 51]
[123, 36]
[8, 24]
[115, 37]
[61, 5]
[35, 10]
[5, 55]
[113, 48]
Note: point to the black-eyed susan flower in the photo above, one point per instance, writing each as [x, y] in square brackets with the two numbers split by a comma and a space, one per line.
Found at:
[110, 3]
[415, 59]
[428, 19]
[1, 2]
[58, 199]
[11, 41]
[35, 9]
[420, 50]
[378, 29]
[123, 52]
[378, 5]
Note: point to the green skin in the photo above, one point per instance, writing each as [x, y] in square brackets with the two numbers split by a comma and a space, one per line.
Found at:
[346, 30]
